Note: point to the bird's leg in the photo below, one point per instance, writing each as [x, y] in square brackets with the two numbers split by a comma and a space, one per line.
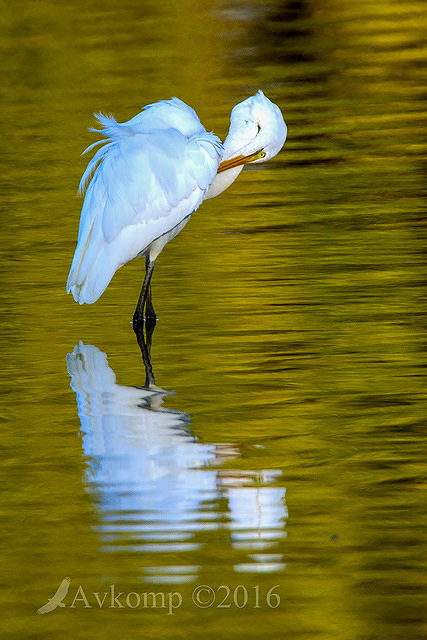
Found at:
[145, 352]
[138, 316]
[150, 320]
[150, 314]
[150, 325]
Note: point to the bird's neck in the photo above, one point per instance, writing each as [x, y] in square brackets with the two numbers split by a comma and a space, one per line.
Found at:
[233, 145]
[222, 181]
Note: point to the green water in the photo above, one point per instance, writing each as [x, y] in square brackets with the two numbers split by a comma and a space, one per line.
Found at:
[287, 472]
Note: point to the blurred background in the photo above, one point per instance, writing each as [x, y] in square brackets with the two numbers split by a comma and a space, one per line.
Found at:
[292, 329]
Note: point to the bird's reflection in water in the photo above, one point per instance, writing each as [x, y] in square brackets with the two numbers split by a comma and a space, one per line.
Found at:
[157, 487]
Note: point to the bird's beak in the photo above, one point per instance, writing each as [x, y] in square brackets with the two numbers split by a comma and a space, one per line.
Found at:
[239, 160]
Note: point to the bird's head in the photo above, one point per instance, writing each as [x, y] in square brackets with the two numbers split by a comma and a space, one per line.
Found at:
[257, 132]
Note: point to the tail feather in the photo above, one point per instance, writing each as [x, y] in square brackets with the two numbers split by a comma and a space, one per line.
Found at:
[90, 273]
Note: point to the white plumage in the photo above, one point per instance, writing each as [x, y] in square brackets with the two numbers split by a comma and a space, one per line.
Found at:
[150, 175]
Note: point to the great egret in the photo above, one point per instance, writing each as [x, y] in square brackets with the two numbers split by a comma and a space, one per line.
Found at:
[149, 176]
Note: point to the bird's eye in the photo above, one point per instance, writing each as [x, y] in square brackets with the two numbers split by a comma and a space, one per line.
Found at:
[259, 156]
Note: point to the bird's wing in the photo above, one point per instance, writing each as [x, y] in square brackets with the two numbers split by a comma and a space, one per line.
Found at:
[145, 185]
[62, 590]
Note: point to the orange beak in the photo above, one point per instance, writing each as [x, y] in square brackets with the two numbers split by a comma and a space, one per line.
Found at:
[239, 160]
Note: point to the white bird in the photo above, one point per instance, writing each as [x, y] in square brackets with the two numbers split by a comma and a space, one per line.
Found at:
[57, 598]
[149, 176]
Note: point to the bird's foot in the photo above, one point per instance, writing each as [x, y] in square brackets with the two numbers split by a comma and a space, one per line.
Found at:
[138, 322]
[150, 314]
[149, 322]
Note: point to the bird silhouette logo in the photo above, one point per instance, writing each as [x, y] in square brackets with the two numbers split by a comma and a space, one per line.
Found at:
[57, 598]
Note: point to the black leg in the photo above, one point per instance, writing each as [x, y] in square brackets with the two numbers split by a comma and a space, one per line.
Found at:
[150, 314]
[145, 352]
[150, 325]
[144, 300]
